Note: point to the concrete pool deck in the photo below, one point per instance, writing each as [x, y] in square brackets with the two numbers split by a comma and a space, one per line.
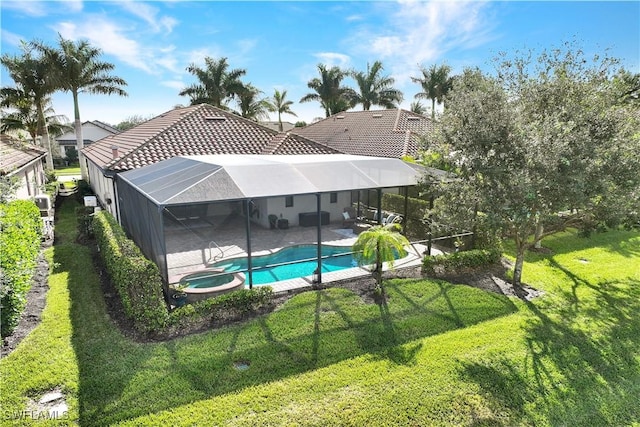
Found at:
[189, 250]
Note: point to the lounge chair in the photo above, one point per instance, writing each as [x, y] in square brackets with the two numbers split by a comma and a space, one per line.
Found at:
[349, 217]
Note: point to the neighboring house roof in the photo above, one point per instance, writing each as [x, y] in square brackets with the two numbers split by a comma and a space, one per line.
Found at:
[286, 126]
[195, 130]
[70, 137]
[381, 133]
[15, 154]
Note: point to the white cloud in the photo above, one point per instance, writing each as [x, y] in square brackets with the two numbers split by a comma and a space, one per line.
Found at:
[332, 58]
[422, 32]
[149, 14]
[174, 84]
[108, 37]
[11, 39]
[31, 8]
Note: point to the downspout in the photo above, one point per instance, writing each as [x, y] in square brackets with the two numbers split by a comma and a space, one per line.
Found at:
[248, 230]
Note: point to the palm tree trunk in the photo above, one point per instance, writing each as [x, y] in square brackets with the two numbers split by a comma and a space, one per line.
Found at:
[433, 109]
[279, 122]
[79, 137]
[44, 131]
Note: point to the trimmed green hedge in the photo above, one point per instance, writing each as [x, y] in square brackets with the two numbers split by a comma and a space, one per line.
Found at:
[232, 306]
[136, 279]
[415, 228]
[20, 238]
[459, 260]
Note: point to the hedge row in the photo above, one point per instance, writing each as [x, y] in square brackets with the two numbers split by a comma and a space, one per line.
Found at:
[459, 260]
[232, 306]
[416, 208]
[20, 234]
[139, 286]
[136, 279]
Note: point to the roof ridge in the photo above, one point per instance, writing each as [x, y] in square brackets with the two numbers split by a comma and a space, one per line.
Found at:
[275, 142]
[162, 130]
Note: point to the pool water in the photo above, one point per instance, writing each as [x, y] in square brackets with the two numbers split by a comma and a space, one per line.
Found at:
[266, 270]
[206, 279]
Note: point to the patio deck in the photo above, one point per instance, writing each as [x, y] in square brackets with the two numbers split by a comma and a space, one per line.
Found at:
[188, 248]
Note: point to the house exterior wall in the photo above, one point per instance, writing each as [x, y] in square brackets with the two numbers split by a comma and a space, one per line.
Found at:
[103, 187]
[306, 203]
[90, 133]
[31, 179]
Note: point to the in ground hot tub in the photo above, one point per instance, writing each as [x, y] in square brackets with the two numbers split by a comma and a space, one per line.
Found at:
[208, 283]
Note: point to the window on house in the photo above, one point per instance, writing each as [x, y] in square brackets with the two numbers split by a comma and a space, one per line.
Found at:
[288, 201]
[333, 197]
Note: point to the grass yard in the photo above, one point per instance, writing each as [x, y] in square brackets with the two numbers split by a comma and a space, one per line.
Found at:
[67, 171]
[436, 354]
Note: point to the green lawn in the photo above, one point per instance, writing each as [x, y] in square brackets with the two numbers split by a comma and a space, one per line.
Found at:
[436, 354]
[68, 171]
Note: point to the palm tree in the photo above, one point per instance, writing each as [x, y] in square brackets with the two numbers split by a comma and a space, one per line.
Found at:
[436, 83]
[78, 70]
[418, 108]
[333, 97]
[250, 106]
[216, 83]
[279, 105]
[34, 82]
[379, 244]
[24, 115]
[375, 89]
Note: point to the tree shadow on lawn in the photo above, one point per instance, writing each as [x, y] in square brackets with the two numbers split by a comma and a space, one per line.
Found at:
[120, 379]
[581, 366]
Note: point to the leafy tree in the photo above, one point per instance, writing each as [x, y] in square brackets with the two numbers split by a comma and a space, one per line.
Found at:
[35, 83]
[377, 245]
[252, 107]
[374, 89]
[435, 83]
[78, 69]
[333, 97]
[280, 105]
[72, 155]
[542, 143]
[132, 121]
[8, 187]
[217, 85]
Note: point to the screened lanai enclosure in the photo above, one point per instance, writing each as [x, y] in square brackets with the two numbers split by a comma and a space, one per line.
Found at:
[194, 212]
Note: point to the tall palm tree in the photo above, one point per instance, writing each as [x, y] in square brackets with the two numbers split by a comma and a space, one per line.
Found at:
[436, 83]
[379, 244]
[78, 69]
[333, 97]
[32, 76]
[280, 105]
[251, 107]
[375, 89]
[216, 83]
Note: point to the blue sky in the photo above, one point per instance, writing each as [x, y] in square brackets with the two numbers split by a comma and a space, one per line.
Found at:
[281, 43]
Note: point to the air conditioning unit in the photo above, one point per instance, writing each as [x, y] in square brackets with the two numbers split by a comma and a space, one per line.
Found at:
[43, 201]
[90, 201]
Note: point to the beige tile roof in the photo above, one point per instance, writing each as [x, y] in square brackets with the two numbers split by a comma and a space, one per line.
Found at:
[15, 154]
[381, 133]
[195, 130]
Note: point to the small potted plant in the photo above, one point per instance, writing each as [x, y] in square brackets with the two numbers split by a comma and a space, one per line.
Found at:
[178, 295]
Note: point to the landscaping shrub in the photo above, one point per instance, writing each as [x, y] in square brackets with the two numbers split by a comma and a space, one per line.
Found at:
[84, 189]
[459, 261]
[84, 216]
[232, 306]
[136, 279]
[416, 208]
[20, 234]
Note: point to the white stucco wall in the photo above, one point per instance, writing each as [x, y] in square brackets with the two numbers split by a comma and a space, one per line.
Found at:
[102, 186]
[31, 179]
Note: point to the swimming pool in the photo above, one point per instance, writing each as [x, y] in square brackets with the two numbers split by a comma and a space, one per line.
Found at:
[299, 261]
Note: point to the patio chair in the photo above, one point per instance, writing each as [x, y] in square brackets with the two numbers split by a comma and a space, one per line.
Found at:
[273, 221]
[348, 217]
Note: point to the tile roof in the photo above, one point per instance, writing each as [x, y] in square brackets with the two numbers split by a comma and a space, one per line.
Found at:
[195, 130]
[15, 154]
[380, 133]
